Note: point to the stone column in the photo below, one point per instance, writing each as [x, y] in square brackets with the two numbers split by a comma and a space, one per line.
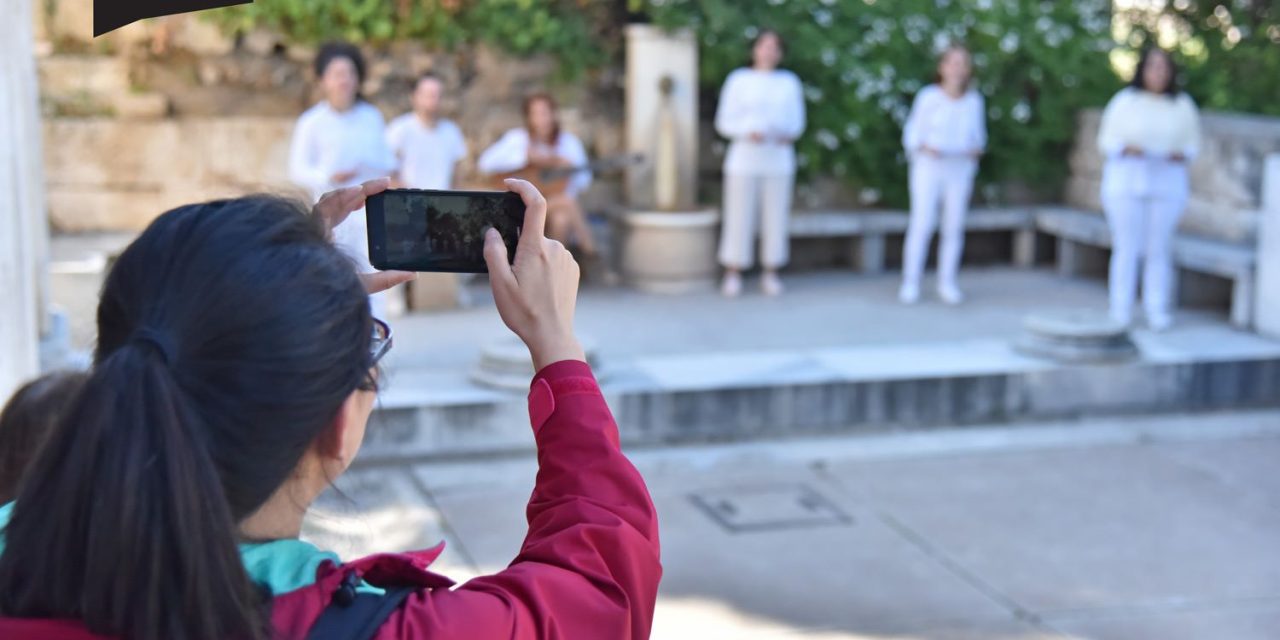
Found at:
[1267, 292]
[23, 227]
[653, 54]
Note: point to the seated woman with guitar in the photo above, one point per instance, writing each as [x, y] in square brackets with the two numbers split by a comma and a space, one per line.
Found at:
[553, 160]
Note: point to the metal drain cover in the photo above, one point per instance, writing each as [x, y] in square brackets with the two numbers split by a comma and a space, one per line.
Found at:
[765, 508]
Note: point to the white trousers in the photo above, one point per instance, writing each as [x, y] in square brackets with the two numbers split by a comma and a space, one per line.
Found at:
[746, 198]
[934, 181]
[352, 237]
[1142, 229]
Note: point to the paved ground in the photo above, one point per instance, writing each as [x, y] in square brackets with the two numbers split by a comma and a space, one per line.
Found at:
[1141, 528]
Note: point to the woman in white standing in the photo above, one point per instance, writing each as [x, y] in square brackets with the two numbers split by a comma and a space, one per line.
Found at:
[761, 111]
[341, 142]
[945, 135]
[1150, 131]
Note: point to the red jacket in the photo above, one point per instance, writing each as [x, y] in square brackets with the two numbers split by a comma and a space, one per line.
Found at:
[588, 567]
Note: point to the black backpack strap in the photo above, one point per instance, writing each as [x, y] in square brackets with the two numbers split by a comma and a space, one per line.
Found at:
[356, 616]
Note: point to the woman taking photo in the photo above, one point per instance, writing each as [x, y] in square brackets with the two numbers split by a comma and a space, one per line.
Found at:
[542, 144]
[236, 369]
[1150, 131]
[945, 135]
[341, 142]
[761, 112]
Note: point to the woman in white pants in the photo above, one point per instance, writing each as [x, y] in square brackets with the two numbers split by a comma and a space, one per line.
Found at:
[341, 142]
[1150, 131]
[761, 111]
[944, 136]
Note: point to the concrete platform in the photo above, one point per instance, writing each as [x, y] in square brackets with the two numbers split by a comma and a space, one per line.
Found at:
[836, 354]
[1103, 529]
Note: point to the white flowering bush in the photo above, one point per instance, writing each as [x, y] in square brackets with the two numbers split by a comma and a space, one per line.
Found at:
[862, 61]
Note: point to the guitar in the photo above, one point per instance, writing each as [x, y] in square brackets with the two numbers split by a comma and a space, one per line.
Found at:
[553, 180]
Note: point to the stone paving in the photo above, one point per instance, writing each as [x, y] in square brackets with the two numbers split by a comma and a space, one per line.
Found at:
[1154, 527]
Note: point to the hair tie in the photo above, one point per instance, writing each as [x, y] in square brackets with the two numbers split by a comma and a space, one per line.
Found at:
[157, 340]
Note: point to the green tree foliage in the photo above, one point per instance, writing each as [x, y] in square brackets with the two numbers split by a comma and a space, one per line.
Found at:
[862, 61]
[1230, 50]
[572, 31]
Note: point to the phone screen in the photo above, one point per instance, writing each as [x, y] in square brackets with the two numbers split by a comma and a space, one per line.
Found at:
[424, 230]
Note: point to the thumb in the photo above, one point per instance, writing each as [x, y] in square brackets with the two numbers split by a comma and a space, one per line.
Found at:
[495, 257]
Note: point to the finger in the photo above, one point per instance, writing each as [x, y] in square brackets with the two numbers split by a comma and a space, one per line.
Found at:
[334, 206]
[383, 280]
[495, 257]
[535, 211]
[377, 185]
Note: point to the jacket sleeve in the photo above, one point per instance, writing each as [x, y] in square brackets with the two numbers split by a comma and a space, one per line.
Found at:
[791, 121]
[1192, 117]
[979, 123]
[912, 137]
[573, 150]
[589, 566]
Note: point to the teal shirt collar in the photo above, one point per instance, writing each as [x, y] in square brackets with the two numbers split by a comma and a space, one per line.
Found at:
[281, 565]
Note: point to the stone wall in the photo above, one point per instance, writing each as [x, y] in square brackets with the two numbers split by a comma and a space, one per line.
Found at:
[1226, 179]
[169, 111]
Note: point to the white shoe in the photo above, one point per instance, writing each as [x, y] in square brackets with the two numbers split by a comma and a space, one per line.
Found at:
[1160, 322]
[731, 286]
[1123, 319]
[771, 285]
[950, 294]
[909, 294]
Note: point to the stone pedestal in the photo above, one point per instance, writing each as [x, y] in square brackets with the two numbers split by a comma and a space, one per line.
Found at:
[1267, 294]
[652, 55]
[668, 252]
[24, 234]
[433, 292]
[1076, 337]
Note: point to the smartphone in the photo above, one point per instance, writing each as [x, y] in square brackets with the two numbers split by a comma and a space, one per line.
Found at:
[428, 230]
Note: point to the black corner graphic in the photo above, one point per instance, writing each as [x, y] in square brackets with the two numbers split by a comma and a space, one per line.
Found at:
[109, 15]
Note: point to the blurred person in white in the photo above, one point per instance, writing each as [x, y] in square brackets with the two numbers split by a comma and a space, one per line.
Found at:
[761, 112]
[1150, 131]
[341, 142]
[542, 144]
[427, 147]
[945, 135]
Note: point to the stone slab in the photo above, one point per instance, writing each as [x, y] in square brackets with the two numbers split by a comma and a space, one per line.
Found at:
[1075, 530]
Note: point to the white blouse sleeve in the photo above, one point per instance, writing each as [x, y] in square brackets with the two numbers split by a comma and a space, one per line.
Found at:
[790, 123]
[732, 119]
[1110, 142]
[509, 153]
[304, 168]
[572, 149]
[912, 136]
[382, 160]
[979, 124]
[1193, 123]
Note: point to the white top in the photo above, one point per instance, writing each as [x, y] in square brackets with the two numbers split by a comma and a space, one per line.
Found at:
[427, 155]
[953, 126]
[511, 153]
[327, 141]
[1158, 124]
[770, 103]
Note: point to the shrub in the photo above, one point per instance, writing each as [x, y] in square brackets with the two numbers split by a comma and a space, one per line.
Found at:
[862, 61]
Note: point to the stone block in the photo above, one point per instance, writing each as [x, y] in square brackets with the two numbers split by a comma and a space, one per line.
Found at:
[260, 42]
[141, 106]
[66, 77]
[71, 20]
[433, 292]
[199, 36]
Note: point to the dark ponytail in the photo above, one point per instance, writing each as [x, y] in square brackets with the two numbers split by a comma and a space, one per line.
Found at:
[229, 335]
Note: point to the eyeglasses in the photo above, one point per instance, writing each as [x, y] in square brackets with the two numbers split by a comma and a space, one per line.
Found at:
[381, 343]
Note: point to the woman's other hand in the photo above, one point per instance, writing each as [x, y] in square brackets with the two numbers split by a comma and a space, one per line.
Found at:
[1178, 156]
[335, 206]
[536, 295]
[930, 151]
[1132, 151]
[342, 176]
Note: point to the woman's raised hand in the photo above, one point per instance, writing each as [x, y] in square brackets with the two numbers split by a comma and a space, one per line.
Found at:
[334, 207]
[536, 295]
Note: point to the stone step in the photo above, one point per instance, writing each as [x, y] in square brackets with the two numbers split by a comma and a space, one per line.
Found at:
[676, 399]
[85, 80]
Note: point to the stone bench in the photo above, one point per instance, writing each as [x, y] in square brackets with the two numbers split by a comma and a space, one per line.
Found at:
[869, 228]
[1235, 262]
